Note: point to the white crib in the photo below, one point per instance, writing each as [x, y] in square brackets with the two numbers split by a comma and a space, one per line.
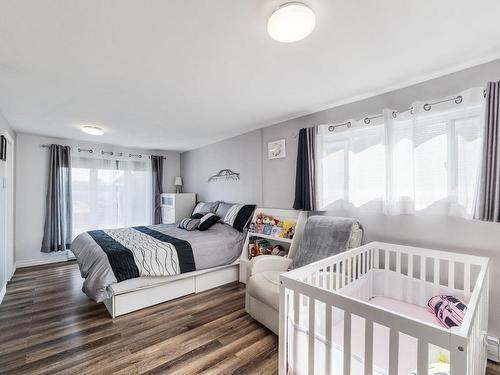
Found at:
[346, 314]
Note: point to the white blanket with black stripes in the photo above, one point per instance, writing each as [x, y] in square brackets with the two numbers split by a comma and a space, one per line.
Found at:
[152, 257]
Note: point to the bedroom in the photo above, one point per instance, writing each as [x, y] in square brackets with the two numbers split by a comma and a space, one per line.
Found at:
[204, 101]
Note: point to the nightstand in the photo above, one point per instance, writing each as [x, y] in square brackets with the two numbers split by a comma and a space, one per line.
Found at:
[176, 206]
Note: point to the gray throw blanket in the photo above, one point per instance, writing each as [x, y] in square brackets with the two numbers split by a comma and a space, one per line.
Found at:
[323, 236]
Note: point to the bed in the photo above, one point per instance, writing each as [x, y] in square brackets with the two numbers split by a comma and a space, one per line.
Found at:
[132, 268]
[364, 311]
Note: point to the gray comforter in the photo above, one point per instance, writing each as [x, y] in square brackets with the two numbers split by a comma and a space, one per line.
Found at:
[217, 246]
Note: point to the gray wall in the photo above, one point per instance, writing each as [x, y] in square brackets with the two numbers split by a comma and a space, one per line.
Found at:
[242, 154]
[4, 125]
[278, 176]
[31, 182]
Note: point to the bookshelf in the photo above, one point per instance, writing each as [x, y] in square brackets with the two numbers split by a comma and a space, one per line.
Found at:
[272, 238]
[290, 244]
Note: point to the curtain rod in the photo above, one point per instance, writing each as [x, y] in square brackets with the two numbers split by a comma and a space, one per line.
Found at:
[427, 107]
[111, 153]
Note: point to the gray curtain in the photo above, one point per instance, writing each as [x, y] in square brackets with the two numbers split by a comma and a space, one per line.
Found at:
[157, 167]
[305, 177]
[488, 198]
[57, 228]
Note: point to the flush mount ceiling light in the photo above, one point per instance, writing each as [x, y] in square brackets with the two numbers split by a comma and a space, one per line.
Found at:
[291, 22]
[92, 130]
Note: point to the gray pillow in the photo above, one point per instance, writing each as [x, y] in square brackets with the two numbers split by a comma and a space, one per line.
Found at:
[205, 207]
[222, 210]
[188, 224]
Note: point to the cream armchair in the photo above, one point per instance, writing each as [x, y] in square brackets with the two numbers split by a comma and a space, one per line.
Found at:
[262, 292]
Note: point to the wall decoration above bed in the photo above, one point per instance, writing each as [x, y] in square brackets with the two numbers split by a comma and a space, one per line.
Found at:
[225, 174]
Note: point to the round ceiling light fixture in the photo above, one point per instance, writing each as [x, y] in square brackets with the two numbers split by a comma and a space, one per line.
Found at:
[92, 130]
[291, 22]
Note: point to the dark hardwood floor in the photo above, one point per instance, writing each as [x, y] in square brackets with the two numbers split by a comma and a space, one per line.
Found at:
[48, 326]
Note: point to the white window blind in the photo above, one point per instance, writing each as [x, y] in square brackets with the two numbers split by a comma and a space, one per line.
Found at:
[110, 193]
[400, 163]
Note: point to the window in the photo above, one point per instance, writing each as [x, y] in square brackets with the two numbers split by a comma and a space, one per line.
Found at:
[404, 162]
[110, 194]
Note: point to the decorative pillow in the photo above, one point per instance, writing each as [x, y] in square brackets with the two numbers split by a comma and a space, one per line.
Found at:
[449, 310]
[222, 209]
[205, 207]
[189, 224]
[207, 221]
[197, 216]
[236, 215]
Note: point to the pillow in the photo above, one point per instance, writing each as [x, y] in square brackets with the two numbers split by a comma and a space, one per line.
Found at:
[188, 224]
[205, 207]
[449, 310]
[207, 221]
[236, 215]
[222, 209]
[197, 216]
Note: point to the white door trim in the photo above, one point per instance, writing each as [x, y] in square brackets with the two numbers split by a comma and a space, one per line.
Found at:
[10, 268]
[3, 290]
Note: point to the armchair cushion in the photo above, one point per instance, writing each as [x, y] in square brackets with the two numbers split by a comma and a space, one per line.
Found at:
[265, 286]
[268, 263]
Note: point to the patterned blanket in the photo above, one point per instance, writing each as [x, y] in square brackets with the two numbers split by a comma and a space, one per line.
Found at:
[109, 256]
[141, 251]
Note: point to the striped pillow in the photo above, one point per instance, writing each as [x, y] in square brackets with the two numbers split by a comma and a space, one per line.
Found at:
[238, 215]
[205, 208]
[207, 221]
[188, 224]
[231, 214]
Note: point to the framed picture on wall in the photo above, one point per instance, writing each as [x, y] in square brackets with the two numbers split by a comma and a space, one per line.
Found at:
[3, 148]
[276, 149]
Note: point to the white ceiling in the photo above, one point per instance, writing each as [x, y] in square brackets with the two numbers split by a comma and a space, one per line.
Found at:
[179, 74]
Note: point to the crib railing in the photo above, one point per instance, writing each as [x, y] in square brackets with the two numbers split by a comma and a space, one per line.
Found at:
[327, 280]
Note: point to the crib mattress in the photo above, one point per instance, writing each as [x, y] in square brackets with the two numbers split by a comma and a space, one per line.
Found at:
[407, 345]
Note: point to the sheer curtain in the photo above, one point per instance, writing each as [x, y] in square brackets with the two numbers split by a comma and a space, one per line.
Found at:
[110, 192]
[426, 158]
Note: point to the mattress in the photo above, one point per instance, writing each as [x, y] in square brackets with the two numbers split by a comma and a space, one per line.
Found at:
[407, 345]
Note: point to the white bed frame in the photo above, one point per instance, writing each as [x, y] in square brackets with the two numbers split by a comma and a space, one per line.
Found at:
[177, 286]
[400, 272]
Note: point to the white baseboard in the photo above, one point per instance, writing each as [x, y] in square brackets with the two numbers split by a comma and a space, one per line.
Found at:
[13, 271]
[493, 349]
[39, 262]
[2, 293]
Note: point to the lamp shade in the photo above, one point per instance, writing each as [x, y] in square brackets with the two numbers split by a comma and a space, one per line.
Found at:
[178, 181]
